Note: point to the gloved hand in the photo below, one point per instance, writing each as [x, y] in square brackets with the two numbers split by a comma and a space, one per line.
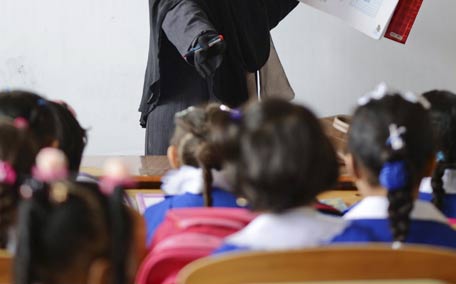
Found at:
[207, 59]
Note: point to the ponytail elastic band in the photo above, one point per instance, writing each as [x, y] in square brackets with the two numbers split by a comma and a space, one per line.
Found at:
[41, 102]
[20, 123]
[235, 114]
[383, 90]
[7, 173]
[440, 157]
[393, 175]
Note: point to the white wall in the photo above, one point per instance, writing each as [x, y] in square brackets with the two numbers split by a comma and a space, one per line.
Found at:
[329, 64]
[93, 54]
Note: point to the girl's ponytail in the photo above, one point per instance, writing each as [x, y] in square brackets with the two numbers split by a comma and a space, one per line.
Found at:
[121, 233]
[438, 192]
[33, 215]
[396, 177]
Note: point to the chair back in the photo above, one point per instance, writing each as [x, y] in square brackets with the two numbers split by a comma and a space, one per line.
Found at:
[355, 264]
[6, 264]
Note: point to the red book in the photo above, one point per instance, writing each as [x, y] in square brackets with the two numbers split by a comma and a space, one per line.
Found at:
[402, 21]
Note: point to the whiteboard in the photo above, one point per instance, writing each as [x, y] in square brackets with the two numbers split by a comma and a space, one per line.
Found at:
[368, 16]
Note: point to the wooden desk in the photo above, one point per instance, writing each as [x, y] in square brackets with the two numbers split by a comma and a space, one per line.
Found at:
[350, 197]
[146, 170]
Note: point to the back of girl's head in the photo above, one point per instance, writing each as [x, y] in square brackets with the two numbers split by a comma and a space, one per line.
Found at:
[71, 136]
[191, 138]
[17, 156]
[443, 117]
[190, 132]
[33, 108]
[65, 227]
[277, 155]
[392, 139]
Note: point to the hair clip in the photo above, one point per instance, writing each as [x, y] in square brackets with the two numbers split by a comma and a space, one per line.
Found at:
[383, 90]
[395, 140]
[235, 114]
[41, 102]
[393, 175]
[51, 165]
[20, 123]
[7, 173]
[440, 157]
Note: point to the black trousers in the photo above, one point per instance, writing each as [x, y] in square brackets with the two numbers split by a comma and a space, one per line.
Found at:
[180, 85]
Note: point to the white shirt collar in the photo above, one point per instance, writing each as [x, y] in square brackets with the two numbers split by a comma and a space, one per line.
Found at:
[376, 207]
[187, 179]
[449, 183]
[301, 227]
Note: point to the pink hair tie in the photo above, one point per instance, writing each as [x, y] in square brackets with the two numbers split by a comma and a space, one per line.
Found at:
[116, 174]
[51, 165]
[20, 123]
[7, 173]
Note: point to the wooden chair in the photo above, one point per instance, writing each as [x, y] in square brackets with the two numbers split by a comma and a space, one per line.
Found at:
[337, 264]
[6, 264]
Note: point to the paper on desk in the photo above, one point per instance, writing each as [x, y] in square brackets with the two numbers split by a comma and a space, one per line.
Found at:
[368, 16]
[145, 200]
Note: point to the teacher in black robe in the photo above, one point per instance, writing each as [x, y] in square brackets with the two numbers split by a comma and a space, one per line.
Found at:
[225, 72]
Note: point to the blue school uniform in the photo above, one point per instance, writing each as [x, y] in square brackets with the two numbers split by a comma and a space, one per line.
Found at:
[183, 188]
[297, 228]
[369, 223]
[449, 199]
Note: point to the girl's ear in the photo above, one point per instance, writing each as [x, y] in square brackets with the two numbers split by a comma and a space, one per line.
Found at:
[173, 157]
[99, 272]
[352, 166]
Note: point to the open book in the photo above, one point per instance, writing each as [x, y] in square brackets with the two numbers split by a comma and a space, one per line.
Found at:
[373, 17]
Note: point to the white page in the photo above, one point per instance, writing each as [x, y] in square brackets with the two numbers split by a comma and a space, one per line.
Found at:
[368, 16]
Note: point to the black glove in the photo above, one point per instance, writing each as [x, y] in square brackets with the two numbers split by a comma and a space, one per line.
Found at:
[209, 55]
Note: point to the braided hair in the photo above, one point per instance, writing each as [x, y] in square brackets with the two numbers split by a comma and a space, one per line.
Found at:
[17, 155]
[443, 116]
[392, 139]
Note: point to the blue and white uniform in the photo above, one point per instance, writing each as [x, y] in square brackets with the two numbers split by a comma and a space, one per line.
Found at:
[297, 228]
[369, 223]
[449, 200]
[183, 188]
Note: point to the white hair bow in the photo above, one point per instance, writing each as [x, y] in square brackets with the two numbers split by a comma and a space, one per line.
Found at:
[382, 90]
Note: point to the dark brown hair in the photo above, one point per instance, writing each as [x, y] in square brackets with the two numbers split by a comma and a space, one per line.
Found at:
[276, 154]
[18, 150]
[368, 143]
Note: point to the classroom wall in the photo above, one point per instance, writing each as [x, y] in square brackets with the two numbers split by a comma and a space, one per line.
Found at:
[93, 54]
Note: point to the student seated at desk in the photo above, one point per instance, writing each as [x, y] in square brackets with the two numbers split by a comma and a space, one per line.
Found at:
[279, 160]
[441, 187]
[71, 232]
[192, 182]
[17, 157]
[391, 149]
[53, 124]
